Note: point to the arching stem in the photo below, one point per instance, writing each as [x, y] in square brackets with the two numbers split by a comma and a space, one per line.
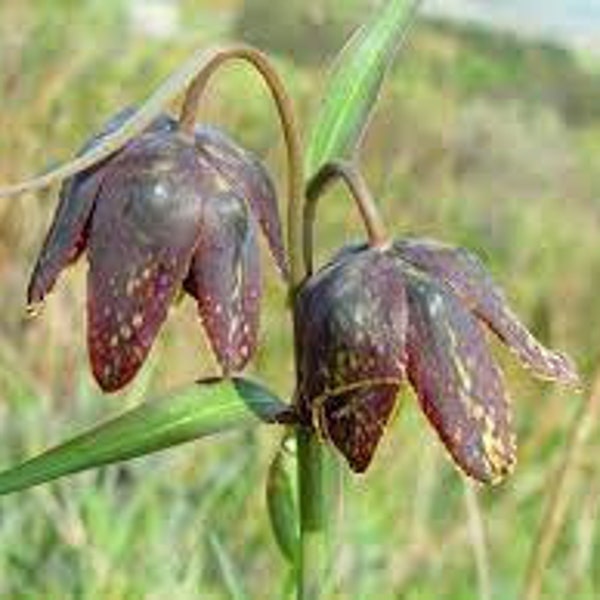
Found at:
[350, 175]
[290, 130]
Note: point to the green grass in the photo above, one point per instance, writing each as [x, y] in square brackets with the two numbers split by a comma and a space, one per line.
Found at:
[470, 144]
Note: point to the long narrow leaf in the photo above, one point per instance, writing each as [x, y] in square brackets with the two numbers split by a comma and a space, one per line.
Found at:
[231, 578]
[355, 82]
[200, 410]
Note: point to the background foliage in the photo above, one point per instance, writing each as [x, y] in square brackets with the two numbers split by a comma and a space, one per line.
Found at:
[479, 139]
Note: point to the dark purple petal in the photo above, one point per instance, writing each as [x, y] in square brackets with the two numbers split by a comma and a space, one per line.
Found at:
[67, 236]
[225, 279]
[356, 419]
[351, 323]
[68, 233]
[249, 179]
[144, 232]
[458, 384]
[463, 273]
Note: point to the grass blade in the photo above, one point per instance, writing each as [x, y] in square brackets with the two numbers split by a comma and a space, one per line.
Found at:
[354, 85]
[230, 577]
[200, 410]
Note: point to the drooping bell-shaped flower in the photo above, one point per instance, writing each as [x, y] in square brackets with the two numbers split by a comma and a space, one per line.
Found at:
[166, 211]
[414, 309]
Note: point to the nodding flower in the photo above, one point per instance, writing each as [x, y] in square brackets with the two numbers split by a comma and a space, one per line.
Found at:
[167, 211]
[412, 310]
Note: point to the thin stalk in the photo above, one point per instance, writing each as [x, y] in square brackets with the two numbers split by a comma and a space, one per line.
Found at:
[560, 493]
[357, 186]
[312, 551]
[478, 541]
[285, 108]
[315, 487]
[312, 557]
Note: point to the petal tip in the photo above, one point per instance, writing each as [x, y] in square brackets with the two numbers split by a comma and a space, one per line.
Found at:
[557, 367]
[109, 378]
[33, 309]
[496, 463]
[567, 373]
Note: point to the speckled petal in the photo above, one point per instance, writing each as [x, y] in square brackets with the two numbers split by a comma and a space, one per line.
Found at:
[67, 236]
[225, 279]
[355, 420]
[351, 322]
[458, 384]
[462, 272]
[144, 232]
[243, 173]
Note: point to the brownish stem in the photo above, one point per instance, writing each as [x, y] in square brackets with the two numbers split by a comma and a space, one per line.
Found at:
[560, 492]
[350, 175]
[291, 133]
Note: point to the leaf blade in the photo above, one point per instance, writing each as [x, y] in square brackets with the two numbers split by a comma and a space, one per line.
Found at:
[206, 408]
[229, 572]
[355, 83]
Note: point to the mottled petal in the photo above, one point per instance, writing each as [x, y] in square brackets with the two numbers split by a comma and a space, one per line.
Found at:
[225, 279]
[458, 384]
[356, 419]
[243, 173]
[67, 236]
[351, 324]
[462, 272]
[144, 232]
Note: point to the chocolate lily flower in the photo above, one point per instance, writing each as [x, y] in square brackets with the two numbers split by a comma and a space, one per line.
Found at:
[413, 309]
[166, 211]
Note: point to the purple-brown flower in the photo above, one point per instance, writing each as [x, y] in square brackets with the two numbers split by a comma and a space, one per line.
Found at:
[414, 310]
[165, 211]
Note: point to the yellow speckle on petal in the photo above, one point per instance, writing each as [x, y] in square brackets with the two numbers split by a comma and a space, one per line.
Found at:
[132, 284]
[221, 184]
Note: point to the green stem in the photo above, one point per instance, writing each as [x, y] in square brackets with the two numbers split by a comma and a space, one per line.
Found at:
[312, 551]
[312, 555]
[315, 472]
[319, 184]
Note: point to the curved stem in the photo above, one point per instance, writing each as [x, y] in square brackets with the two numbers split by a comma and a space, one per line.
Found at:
[290, 130]
[319, 184]
[195, 73]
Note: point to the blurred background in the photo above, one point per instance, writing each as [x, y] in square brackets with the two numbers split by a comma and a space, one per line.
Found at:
[487, 135]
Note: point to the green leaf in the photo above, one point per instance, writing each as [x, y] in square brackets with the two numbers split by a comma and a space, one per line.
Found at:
[282, 498]
[355, 82]
[197, 411]
[230, 575]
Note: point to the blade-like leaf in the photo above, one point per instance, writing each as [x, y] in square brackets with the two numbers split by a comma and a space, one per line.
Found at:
[206, 408]
[231, 578]
[282, 498]
[355, 83]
